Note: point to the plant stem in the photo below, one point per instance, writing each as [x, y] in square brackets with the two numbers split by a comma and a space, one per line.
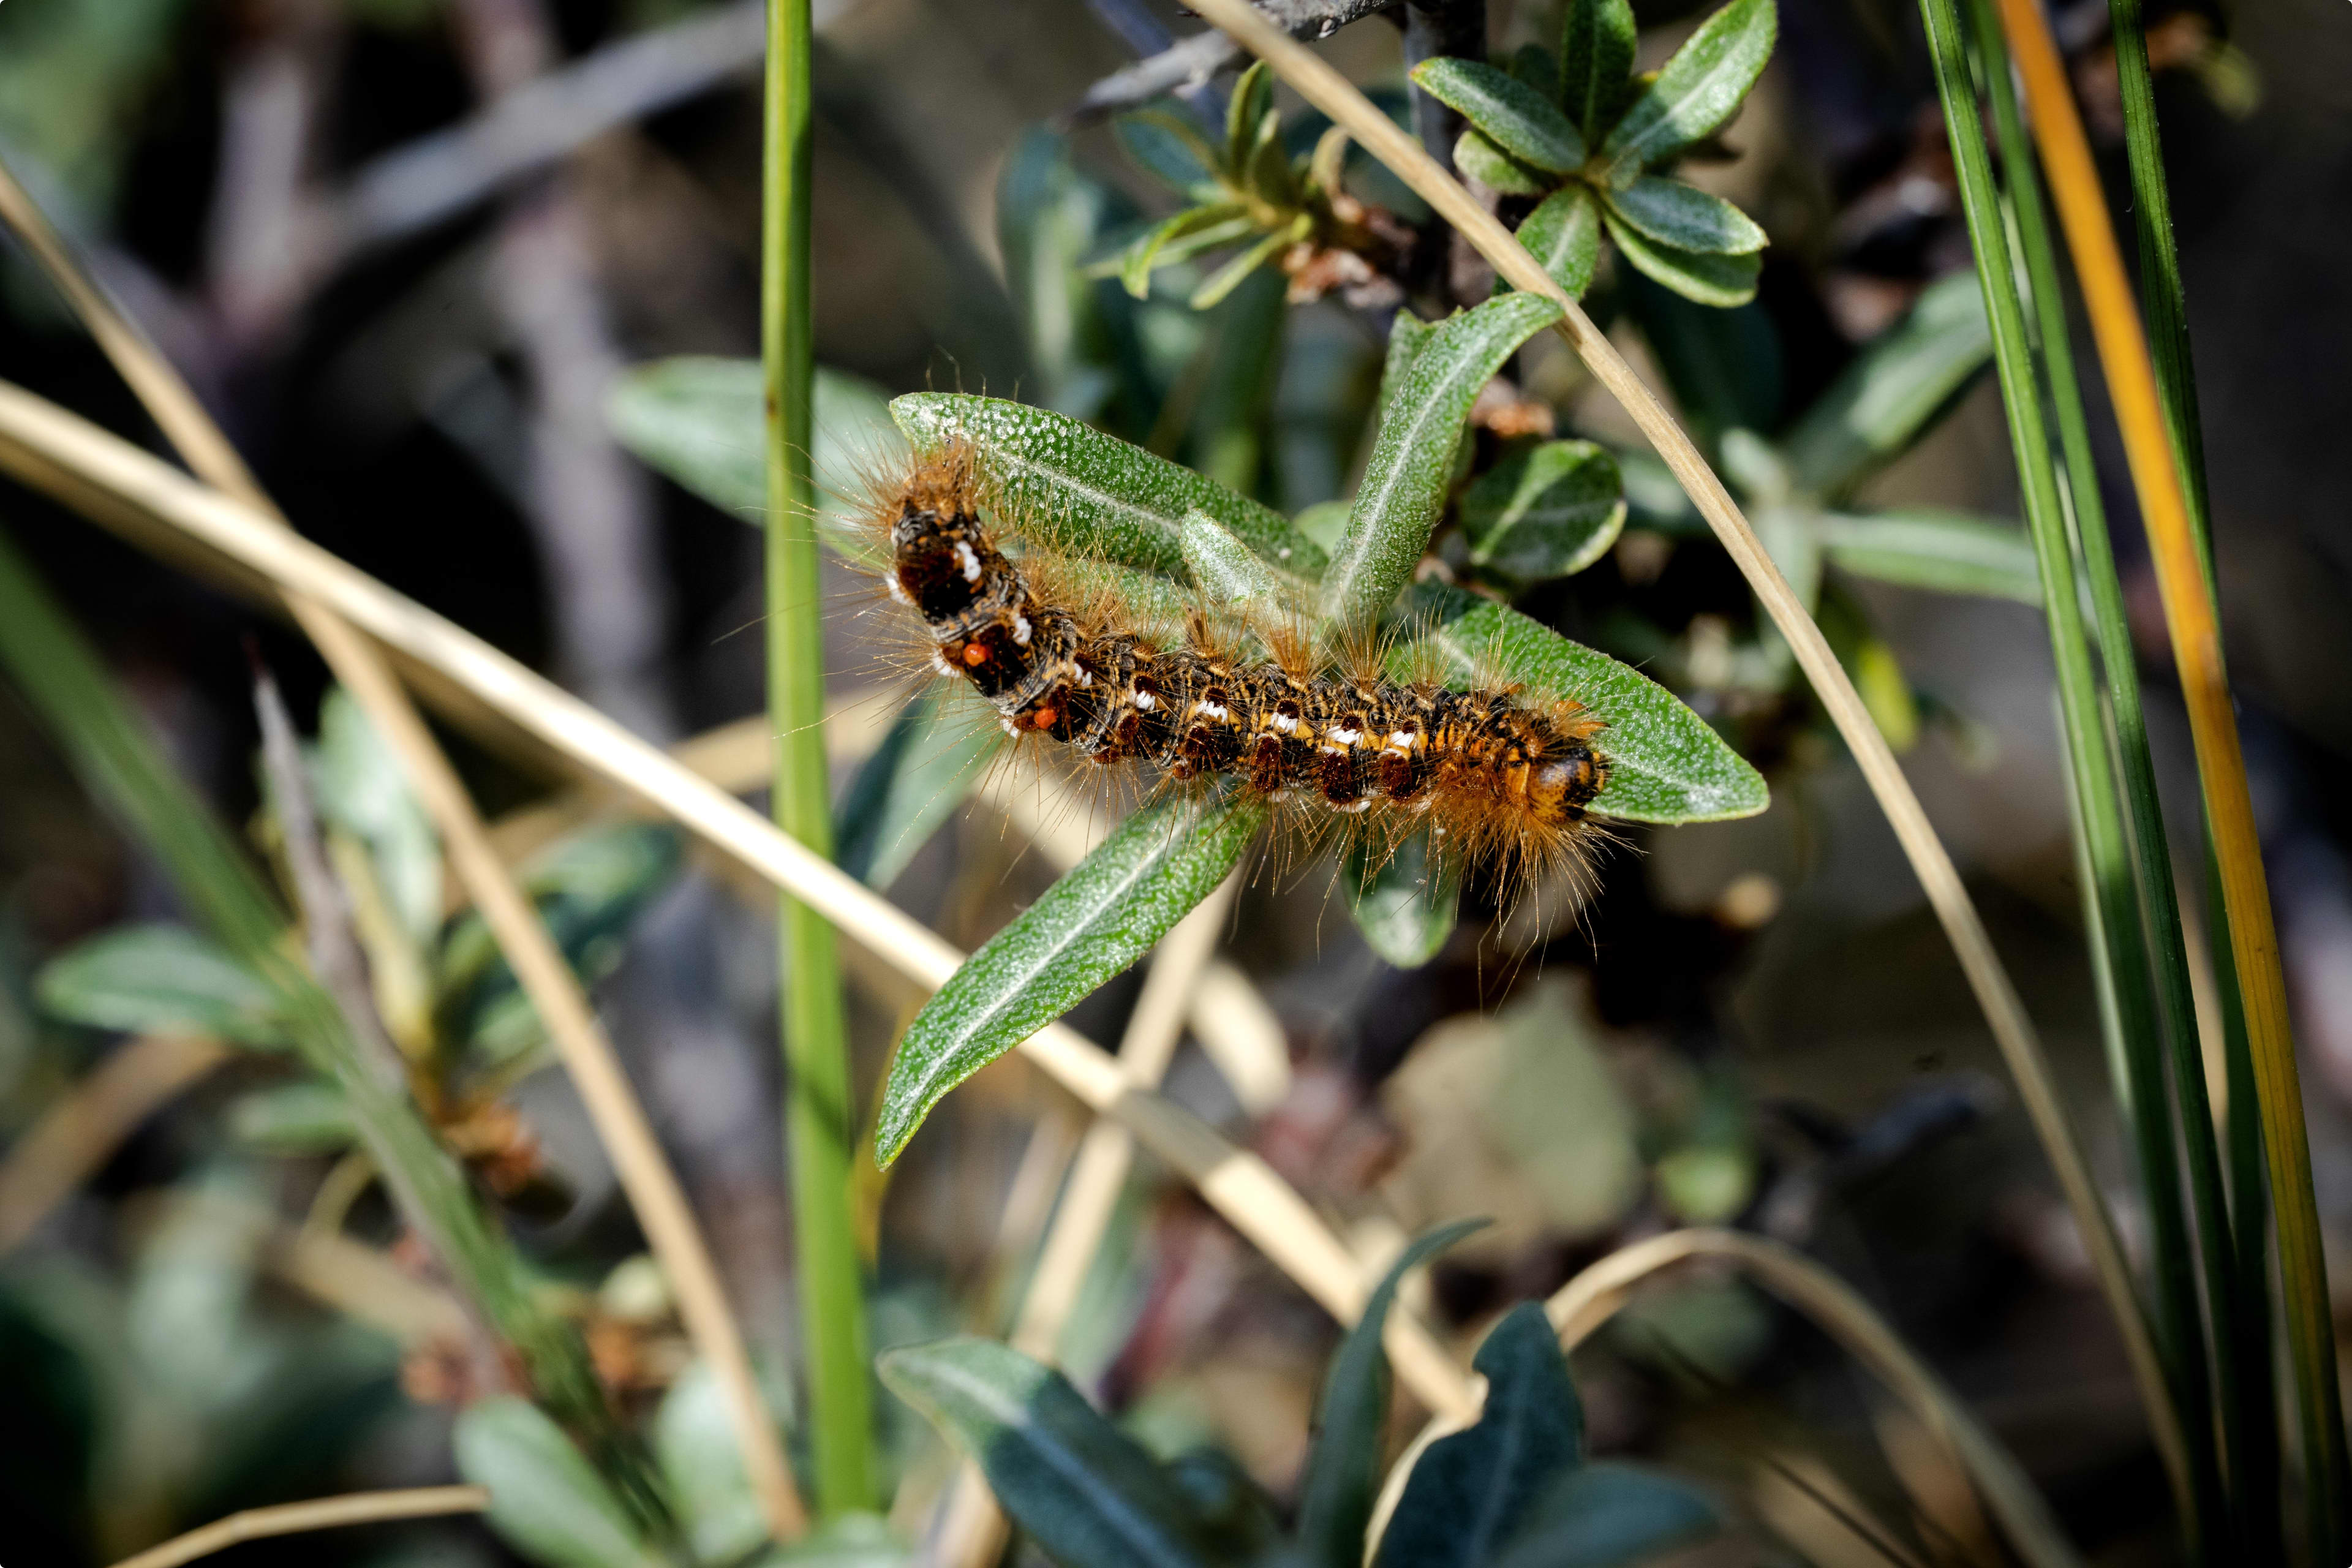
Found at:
[820, 1126]
[2242, 1386]
[2180, 1330]
[2196, 633]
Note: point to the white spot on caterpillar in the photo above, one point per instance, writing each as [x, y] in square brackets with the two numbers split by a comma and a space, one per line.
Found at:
[940, 662]
[1020, 629]
[1086, 677]
[1286, 724]
[1346, 737]
[1009, 727]
[1402, 740]
[1208, 710]
[1145, 701]
[968, 561]
[1362, 803]
[897, 589]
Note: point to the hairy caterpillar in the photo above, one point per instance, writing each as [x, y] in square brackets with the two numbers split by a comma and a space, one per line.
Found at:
[1501, 778]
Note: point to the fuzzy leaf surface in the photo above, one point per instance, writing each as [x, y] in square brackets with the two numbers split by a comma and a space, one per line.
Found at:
[1720, 280]
[1696, 90]
[1607, 1515]
[1087, 927]
[1230, 579]
[1411, 465]
[927, 764]
[1407, 905]
[546, 1500]
[1482, 158]
[1079, 489]
[1563, 234]
[1088, 1495]
[161, 978]
[1548, 512]
[1472, 1491]
[1343, 1468]
[1665, 765]
[1596, 61]
[1945, 552]
[1513, 115]
[1894, 389]
[1682, 215]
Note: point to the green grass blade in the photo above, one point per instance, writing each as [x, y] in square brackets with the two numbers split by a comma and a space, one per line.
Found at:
[2180, 1335]
[821, 1121]
[1087, 927]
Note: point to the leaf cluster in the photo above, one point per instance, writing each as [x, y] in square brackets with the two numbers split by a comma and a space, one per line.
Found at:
[1575, 131]
[1514, 1491]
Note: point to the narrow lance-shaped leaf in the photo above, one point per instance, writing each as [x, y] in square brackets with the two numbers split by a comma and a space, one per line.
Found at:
[1563, 234]
[1231, 581]
[1087, 927]
[1596, 61]
[162, 978]
[1607, 1516]
[1171, 148]
[1894, 389]
[1093, 494]
[1513, 115]
[1407, 904]
[1413, 459]
[928, 762]
[1343, 1468]
[1230, 277]
[1192, 230]
[1665, 764]
[1408, 336]
[1472, 1491]
[1695, 92]
[546, 1500]
[1686, 217]
[1088, 1495]
[1719, 280]
[1549, 512]
[1481, 158]
[1945, 552]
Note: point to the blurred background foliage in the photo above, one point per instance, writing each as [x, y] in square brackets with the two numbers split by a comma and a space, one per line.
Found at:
[407, 250]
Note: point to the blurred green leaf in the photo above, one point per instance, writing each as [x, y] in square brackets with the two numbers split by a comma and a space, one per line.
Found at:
[293, 1119]
[1549, 512]
[1685, 217]
[1563, 234]
[1407, 905]
[703, 423]
[161, 979]
[1082, 1488]
[1087, 927]
[1596, 62]
[74, 81]
[1181, 237]
[1229, 1512]
[1343, 1467]
[546, 1500]
[1472, 1492]
[1724, 366]
[1665, 764]
[693, 1443]
[1411, 468]
[1539, 67]
[1719, 280]
[1077, 489]
[1894, 389]
[927, 765]
[1083, 333]
[1245, 111]
[1479, 157]
[850, 1541]
[1607, 1515]
[1230, 277]
[362, 788]
[1172, 149]
[1949, 553]
[1516, 118]
[1695, 92]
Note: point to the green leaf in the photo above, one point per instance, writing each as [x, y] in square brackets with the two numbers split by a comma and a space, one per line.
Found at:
[1536, 66]
[1408, 336]
[1472, 1491]
[1563, 234]
[1665, 764]
[1407, 905]
[928, 762]
[546, 1500]
[1412, 466]
[1709, 280]
[703, 423]
[1685, 217]
[1202, 227]
[1695, 92]
[1513, 115]
[694, 1442]
[362, 788]
[1231, 276]
[1723, 365]
[1231, 580]
[1894, 390]
[846, 1540]
[1606, 1515]
[163, 979]
[1170, 147]
[1245, 111]
[1480, 159]
[1596, 61]
[1077, 489]
[1229, 1513]
[1549, 512]
[1081, 1488]
[1947, 552]
[1087, 927]
[1343, 1468]
[293, 1119]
